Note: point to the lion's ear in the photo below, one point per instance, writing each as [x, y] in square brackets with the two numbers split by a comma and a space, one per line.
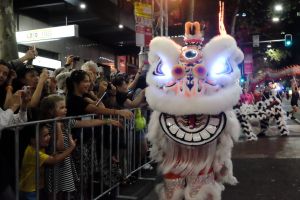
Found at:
[163, 49]
[222, 46]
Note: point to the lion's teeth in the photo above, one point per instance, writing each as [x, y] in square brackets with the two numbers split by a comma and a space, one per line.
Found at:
[180, 134]
[196, 137]
[204, 134]
[170, 121]
[174, 129]
[211, 129]
[188, 137]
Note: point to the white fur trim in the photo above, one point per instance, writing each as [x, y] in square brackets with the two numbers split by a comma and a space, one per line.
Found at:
[233, 126]
[163, 48]
[222, 45]
[223, 153]
[213, 104]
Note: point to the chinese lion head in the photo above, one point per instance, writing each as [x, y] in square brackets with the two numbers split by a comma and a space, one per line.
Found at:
[192, 84]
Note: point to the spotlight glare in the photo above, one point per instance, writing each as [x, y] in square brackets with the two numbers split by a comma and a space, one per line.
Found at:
[278, 7]
[83, 6]
[121, 26]
[218, 67]
[275, 19]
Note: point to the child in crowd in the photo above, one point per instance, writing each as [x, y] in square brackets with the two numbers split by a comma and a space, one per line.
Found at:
[54, 106]
[28, 169]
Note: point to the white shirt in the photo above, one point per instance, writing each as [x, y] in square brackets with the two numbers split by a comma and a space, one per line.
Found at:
[7, 118]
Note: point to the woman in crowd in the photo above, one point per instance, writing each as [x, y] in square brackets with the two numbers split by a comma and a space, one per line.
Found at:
[13, 102]
[122, 96]
[35, 83]
[78, 85]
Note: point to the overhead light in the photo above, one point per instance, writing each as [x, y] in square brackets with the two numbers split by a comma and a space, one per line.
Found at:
[275, 19]
[265, 58]
[82, 6]
[278, 7]
[244, 15]
[44, 62]
[237, 14]
[282, 33]
[121, 26]
[269, 46]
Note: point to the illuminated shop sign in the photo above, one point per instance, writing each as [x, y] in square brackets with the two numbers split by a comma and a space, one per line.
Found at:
[47, 34]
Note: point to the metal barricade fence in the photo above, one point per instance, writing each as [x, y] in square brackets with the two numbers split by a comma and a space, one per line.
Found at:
[108, 156]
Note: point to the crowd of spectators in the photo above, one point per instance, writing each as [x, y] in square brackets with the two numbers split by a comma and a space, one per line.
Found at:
[30, 94]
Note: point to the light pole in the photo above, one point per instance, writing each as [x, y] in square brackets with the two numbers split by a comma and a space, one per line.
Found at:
[192, 8]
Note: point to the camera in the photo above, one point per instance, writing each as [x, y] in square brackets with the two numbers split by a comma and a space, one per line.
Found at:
[76, 58]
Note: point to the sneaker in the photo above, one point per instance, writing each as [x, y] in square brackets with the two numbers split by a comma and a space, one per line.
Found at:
[293, 118]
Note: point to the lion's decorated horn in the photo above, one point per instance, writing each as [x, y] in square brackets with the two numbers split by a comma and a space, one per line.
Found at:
[193, 35]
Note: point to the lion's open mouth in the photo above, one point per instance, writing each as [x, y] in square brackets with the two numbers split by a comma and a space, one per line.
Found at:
[193, 129]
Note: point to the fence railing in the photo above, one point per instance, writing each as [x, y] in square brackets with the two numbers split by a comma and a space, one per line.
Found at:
[108, 156]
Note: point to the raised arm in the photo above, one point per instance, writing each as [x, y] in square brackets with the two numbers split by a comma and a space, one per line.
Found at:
[96, 122]
[54, 159]
[59, 137]
[36, 96]
[136, 102]
[132, 85]
[8, 117]
[107, 111]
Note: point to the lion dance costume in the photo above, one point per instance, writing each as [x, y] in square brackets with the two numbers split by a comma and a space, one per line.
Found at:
[192, 91]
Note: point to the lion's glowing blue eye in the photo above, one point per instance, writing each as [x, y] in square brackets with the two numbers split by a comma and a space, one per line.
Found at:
[221, 66]
[190, 54]
[158, 71]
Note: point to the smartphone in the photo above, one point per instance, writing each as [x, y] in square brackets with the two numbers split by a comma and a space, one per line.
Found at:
[98, 102]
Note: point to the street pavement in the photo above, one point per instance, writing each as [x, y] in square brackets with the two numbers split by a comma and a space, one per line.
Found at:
[267, 169]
